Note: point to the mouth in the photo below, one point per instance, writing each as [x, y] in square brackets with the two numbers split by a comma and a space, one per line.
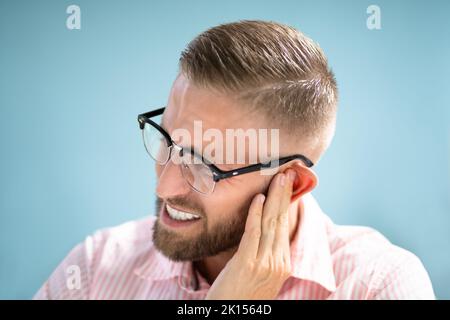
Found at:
[177, 218]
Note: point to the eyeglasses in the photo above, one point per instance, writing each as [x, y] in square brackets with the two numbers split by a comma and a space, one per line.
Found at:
[202, 175]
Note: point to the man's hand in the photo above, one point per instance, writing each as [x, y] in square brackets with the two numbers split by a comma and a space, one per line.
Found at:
[262, 262]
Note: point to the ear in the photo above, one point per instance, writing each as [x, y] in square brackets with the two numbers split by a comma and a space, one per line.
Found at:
[305, 181]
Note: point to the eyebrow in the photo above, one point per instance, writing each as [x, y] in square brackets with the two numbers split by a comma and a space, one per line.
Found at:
[197, 154]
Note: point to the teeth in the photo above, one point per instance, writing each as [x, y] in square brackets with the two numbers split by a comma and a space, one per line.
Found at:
[180, 215]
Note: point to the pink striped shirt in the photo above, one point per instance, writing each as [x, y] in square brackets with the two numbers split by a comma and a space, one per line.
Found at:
[329, 262]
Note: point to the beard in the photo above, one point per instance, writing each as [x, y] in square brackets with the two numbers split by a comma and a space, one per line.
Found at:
[210, 241]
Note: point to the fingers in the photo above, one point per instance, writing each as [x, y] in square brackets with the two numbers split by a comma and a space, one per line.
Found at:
[281, 245]
[248, 247]
[275, 217]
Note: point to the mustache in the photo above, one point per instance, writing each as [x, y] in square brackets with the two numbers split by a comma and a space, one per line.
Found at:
[182, 203]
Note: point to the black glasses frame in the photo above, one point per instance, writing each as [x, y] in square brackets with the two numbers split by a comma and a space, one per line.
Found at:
[218, 174]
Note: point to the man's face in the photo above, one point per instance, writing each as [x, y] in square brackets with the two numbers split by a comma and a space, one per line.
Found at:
[222, 213]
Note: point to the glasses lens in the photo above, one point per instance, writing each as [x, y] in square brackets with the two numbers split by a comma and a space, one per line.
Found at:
[155, 144]
[198, 175]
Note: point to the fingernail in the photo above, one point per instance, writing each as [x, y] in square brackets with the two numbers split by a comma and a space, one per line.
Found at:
[291, 175]
[282, 179]
[261, 198]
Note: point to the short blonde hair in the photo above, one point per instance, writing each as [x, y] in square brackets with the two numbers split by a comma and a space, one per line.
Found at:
[273, 67]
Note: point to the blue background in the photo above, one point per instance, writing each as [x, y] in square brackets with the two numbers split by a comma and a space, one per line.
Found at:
[72, 159]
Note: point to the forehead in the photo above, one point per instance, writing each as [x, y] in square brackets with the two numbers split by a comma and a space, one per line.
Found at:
[188, 103]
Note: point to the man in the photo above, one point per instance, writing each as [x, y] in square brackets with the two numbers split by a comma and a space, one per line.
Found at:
[241, 229]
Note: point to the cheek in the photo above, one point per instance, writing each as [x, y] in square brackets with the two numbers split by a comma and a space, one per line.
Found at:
[243, 188]
[227, 202]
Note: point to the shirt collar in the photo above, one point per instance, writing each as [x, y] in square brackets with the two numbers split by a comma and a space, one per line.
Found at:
[156, 266]
[310, 252]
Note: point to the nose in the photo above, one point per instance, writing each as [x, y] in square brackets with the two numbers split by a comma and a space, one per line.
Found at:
[171, 182]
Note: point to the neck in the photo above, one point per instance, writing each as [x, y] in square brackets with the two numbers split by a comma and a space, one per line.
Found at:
[210, 267]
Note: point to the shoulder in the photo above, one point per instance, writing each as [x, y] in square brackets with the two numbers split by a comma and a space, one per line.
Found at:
[120, 239]
[106, 254]
[364, 257]
[109, 249]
